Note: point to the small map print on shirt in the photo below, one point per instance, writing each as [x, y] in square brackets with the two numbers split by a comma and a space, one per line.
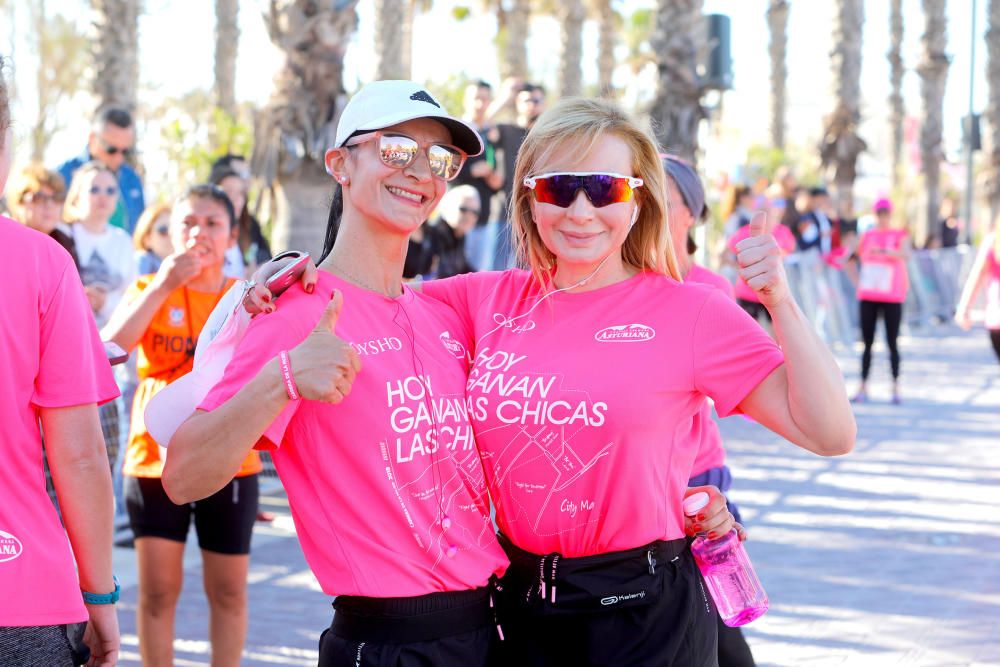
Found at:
[543, 445]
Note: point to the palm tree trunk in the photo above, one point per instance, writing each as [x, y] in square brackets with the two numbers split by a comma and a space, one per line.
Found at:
[841, 144]
[512, 40]
[933, 69]
[993, 107]
[390, 18]
[897, 111]
[406, 36]
[571, 17]
[676, 110]
[299, 120]
[227, 37]
[777, 23]
[116, 52]
[607, 39]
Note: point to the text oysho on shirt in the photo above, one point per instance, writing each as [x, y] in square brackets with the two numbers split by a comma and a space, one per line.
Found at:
[582, 402]
[386, 487]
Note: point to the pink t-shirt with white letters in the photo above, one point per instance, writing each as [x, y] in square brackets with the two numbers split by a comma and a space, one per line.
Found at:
[882, 278]
[386, 488]
[710, 452]
[52, 357]
[582, 403]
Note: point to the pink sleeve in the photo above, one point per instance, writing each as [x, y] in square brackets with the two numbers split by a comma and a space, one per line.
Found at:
[266, 336]
[73, 368]
[457, 293]
[732, 353]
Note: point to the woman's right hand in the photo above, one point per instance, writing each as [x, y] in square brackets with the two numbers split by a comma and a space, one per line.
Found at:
[178, 269]
[963, 318]
[102, 636]
[259, 298]
[323, 365]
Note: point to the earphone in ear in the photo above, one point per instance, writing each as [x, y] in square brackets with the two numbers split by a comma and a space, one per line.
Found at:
[635, 216]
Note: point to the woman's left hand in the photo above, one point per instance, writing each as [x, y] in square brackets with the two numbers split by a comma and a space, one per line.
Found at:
[259, 298]
[713, 520]
[761, 265]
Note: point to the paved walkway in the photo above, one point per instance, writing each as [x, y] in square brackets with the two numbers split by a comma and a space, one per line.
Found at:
[889, 556]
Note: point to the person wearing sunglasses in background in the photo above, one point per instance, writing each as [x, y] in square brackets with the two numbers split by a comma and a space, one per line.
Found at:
[111, 142]
[36, 199]
[364, 408]
[687, 208]
[587, 371]
[151, 239]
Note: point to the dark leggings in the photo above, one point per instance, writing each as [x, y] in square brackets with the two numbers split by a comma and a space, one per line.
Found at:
[995, 339]
[893, 315]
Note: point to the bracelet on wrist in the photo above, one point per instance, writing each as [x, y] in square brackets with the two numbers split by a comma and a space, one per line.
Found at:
[286, 376]
[103, 598]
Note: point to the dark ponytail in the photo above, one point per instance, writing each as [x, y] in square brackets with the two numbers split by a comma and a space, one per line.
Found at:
[333, 222]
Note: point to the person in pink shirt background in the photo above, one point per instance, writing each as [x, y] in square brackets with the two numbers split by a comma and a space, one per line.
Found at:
[56, 373]
[745, 296]
[686, 202]
[985, 274]
[364, 408]
[882, 285]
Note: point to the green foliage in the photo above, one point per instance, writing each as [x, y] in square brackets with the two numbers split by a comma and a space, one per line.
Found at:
[450, 92]
[762, 161]
[461, 12]
[61, 47]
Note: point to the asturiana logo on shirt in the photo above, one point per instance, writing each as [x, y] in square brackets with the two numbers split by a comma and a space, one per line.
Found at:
[452, 345]
[625, 333]
[10, 547]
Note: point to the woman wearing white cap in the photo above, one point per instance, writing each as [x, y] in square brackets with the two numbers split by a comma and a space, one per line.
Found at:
[380, 466]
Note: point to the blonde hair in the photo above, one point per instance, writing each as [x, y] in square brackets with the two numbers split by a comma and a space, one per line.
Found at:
[32, 179]
[72, 211]
[145, 223]
[583, 122]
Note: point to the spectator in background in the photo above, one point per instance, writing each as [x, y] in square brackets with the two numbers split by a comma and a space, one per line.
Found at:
[737, 208]
[985, 274]
[111, 142]
[529, 103]
[232, 174]
[36, 200]
[437, 249]
[107, 265]
[789, 189]
[815, 229]
[481, 173]
[949, 226]
[152, 239]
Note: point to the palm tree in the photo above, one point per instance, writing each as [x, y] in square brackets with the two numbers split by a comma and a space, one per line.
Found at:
[608, 25]
[933, 70]
[513, 22]
[390, 19]
[677, 41]
[993, 107]
[571, 14]
[841, 144]
[777, 23]
[227, 37]
[116, 52]
[299, 120]
[897, 111]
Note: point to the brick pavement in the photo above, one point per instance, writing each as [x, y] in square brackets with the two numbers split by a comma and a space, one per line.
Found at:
[890, 556]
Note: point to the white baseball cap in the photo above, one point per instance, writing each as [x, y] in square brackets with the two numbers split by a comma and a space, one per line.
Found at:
[381, 104]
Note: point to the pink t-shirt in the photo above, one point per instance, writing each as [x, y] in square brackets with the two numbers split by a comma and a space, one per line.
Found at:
[786, 242]
[993, 286]
[582, 403]
[386, 488]
[703, 427]
[52, 357]
[882, 278]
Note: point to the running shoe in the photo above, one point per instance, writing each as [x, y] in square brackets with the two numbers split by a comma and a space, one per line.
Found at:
[860, 397]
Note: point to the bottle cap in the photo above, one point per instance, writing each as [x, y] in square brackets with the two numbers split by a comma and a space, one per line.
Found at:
[695, 502]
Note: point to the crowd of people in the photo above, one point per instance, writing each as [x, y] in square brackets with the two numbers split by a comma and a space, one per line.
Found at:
[425, 432]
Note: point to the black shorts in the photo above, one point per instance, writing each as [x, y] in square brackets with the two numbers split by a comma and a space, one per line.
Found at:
[645, 607]
[755, 309]
[49, 645]
[224, 521]
[449, 628]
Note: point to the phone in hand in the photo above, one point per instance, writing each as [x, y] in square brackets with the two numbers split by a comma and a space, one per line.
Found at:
[287, 276]
[116, 355]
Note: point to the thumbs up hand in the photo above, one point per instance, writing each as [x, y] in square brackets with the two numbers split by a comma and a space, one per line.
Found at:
[760, 262]
[323, 365]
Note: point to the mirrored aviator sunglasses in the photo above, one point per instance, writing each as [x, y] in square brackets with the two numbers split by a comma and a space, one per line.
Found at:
[601, 188]
[398, 151]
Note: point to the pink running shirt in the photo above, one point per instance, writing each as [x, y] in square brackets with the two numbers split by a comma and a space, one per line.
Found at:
[52, 358]
[882, 278]
[703, 427]
[583, 406]
[386, 488]
[786, 241]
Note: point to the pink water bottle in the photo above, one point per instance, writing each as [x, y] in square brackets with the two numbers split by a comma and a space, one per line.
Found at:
[727, 571]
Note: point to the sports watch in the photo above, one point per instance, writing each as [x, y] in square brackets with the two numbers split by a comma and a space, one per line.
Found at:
[103, 598]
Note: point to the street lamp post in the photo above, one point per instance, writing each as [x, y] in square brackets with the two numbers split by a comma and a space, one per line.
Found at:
[970, 133]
